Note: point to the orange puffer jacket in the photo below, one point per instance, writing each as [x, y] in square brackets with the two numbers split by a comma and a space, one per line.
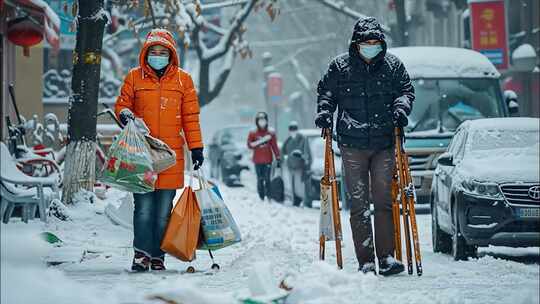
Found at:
[167, 105]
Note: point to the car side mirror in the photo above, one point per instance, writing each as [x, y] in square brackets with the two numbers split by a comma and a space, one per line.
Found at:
[511, 99]
[446, 159]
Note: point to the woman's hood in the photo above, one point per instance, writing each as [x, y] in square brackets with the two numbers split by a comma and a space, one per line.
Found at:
[163, 38]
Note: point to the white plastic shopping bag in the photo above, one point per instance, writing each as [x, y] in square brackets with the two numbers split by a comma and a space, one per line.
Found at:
[326, 223]
[219, 229]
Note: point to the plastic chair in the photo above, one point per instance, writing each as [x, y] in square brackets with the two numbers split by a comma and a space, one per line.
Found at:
[19, 189]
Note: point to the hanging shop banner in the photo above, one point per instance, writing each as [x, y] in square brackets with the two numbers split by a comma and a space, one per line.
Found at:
[275, 87]
[488, 30]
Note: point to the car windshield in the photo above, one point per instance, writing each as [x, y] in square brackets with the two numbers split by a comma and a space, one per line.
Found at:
[504, 139]
[441, 105]
[234, 135]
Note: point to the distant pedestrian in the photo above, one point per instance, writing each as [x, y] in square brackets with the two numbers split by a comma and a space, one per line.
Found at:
[163, 96]
[263, 142]
[298, 159]
[373, 94]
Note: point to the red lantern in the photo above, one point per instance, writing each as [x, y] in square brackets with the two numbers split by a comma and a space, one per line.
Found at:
[24, 32]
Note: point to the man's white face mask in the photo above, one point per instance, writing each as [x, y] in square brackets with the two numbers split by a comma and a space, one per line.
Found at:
[263, 123]
[293, 133]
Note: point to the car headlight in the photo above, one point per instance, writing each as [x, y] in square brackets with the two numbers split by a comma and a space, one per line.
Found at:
[482, 188]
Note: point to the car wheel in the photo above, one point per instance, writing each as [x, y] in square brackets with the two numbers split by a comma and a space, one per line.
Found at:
[460, 249]
[442, 242]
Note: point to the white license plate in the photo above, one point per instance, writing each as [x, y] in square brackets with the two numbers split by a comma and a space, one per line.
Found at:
[529, 212]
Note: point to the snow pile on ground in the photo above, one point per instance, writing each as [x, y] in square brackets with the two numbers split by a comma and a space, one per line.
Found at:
[95, 253]
[184, 290]
[26, 279]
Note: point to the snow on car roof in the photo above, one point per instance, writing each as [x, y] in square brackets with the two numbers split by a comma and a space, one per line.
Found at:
[504, 123]
[445, 62]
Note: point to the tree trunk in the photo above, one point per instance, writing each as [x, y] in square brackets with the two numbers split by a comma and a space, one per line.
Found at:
[79, 172]
[204, 82]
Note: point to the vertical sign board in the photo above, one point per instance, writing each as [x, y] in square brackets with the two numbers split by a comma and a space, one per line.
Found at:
[63, 8]
[275, 87]
[488, 30]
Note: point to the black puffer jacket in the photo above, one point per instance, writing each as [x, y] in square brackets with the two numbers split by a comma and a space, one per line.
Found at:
[365, 95]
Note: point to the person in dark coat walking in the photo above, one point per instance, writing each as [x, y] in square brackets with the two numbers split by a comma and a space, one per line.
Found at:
[372, 93]
[298, 158]
[263, 142]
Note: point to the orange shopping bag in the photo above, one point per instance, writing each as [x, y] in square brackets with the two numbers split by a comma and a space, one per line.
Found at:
[182, 233]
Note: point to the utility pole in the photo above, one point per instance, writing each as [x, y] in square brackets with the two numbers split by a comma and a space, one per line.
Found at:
[402, 22]
[79, 170]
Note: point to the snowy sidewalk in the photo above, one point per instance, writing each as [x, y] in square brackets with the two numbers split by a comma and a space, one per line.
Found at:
[97, 253]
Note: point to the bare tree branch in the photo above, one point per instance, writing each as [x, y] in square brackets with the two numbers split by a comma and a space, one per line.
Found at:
[154, 24]
[224, 74]
[223, 4]
[347, 11]
[227, 40]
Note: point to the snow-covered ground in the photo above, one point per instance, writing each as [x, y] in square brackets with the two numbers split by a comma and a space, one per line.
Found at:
[96, 253]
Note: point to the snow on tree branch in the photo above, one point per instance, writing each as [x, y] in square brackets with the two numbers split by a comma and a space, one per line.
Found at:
[344, 9]
[224, 74]
[300, 77]
[223, 4]
[226, 42]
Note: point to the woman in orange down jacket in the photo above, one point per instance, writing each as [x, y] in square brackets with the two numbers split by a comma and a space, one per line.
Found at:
[163, 95]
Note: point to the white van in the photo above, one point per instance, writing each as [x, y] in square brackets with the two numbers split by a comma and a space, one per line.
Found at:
[451, 85]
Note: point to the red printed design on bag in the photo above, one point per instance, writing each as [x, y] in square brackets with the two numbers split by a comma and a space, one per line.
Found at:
[126, 166]
[111, 163]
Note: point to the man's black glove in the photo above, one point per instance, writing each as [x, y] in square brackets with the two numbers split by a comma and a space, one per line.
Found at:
[197, 158]
[278, 163]
[400, 117]
[125, 116]
[324, 120]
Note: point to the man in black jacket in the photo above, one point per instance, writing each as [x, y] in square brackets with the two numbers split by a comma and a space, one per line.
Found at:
[373, 94]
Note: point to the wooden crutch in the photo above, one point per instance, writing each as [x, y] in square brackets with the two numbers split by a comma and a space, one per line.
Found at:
[329, 180]
[407, 197]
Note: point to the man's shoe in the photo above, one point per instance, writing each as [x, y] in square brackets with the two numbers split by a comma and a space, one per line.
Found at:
[390, 266]
[141, 262]
[367, 268]
[157, 264]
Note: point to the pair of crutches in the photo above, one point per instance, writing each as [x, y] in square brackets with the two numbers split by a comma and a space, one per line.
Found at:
[402, 192]
[404, 195]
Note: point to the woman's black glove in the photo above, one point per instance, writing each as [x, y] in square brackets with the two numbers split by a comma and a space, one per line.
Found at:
[197, 158]
[125, 116]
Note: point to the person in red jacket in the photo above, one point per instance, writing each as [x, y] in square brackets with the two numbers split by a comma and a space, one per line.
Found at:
[264, 145]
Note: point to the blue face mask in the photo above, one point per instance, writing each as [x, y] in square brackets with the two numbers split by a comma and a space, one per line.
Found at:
[370, 51]
[158, 62]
